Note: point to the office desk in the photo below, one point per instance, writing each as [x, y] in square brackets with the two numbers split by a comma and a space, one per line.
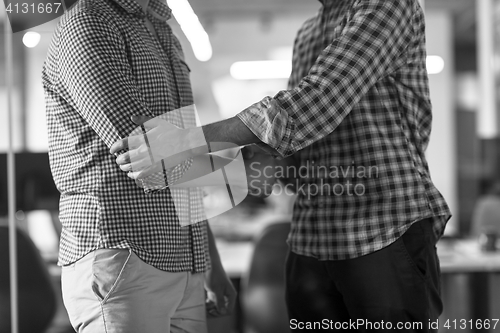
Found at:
[470, 282]
[470, 278]
[235, 232]
[463, 256]
[456, 257]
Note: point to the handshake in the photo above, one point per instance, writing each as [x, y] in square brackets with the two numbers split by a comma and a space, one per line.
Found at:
[162, 155]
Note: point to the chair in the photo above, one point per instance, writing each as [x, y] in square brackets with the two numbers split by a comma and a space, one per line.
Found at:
[37, 299]
[486, 216]
[263, 288]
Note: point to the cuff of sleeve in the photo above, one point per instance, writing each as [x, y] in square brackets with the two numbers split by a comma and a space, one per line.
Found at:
[270, 124]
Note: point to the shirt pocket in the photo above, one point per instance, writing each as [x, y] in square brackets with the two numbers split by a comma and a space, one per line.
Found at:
[185, 67]
[184, 83]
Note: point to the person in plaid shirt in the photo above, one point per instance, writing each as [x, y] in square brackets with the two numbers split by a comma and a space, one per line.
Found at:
[357, 116]
[127, 263]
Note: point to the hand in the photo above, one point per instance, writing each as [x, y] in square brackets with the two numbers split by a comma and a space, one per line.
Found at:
[221, 295]
[249, 151]
[260, 169]
[162, 140]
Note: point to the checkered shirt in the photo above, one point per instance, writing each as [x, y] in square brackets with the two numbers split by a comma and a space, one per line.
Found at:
[357, 119]
[103, 66]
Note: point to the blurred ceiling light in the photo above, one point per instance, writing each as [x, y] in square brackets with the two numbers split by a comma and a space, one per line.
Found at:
[192, 28]
[31, 39]
[435, 64]
[260, 70]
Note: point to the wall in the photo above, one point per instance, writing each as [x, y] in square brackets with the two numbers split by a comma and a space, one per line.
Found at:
[441, 153]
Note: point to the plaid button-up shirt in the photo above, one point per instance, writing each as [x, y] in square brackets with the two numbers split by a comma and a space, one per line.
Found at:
[103, 66]
[357, 116]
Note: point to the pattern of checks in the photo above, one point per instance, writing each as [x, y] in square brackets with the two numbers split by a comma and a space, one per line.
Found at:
[357, 116]
[103, 66]
[159, 181]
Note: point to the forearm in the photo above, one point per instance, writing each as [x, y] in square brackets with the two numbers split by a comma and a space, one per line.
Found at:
[232, 131]
[173, 145]
[371, 46]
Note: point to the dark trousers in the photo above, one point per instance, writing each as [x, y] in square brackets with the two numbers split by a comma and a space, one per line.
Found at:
[397, 285]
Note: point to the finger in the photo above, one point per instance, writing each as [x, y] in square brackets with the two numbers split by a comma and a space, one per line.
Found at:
[247, 152]
[221, 304]
[231, 300]
[119, 145]
[155, 168]
[155, 122]
[126, 167]
[123, 159]
[138, 165]
[139, 120]
[211, 304]
[133, 175]
[135, 141]
[140, 157]
[211, 309]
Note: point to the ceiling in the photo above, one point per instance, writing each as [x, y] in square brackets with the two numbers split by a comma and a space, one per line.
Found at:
[276, 6]
[462, 10]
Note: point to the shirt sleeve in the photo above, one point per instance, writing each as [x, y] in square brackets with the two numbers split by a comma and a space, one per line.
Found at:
[96, 79]
[371, 46]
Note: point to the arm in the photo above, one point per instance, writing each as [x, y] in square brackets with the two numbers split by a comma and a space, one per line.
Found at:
[201, 171]
[251, 171]
[372, 45]
[97, 80]
[230, 130]
[219, 288]
[369, 48]
[95, 77]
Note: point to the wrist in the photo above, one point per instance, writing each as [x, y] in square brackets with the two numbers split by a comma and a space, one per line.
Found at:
[195, 141]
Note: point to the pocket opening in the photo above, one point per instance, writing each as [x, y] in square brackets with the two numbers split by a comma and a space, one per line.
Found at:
[107, 271]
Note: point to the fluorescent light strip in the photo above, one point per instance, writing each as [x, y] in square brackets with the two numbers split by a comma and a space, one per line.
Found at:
[266, 69]
[281, 69]
[192, 28]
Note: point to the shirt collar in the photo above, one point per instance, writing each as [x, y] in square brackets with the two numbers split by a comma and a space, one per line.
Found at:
[158, 8]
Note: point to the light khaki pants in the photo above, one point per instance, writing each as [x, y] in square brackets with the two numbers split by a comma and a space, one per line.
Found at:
[113, 291]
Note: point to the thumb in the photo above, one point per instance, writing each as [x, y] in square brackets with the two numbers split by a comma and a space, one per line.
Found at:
[247, 152]
[139, 120]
